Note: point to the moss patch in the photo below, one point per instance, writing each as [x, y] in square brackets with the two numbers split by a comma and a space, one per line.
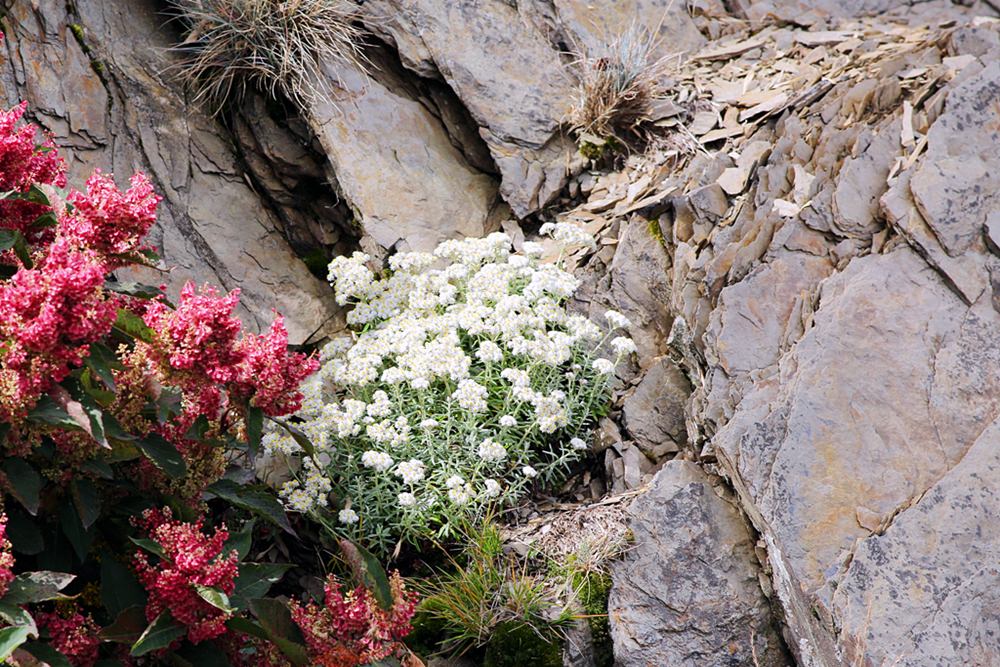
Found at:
[515, 644]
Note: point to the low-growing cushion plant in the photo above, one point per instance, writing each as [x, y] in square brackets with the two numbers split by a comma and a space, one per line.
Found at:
[468, 381]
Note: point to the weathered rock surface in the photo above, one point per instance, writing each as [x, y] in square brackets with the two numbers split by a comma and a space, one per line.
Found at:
[836, 306]
[687, 593]
[106, 97]
[396, 164]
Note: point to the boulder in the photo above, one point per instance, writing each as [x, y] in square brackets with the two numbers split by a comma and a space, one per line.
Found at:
[396, 164]
[504, 70]
[687, 592]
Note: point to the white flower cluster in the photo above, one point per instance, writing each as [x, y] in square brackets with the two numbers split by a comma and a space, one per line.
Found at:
[469, 382]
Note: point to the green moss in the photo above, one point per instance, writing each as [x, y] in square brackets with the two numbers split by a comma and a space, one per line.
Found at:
[77, 31]
[594, 148]
[657, 232]
[514, 644]
[593, 589]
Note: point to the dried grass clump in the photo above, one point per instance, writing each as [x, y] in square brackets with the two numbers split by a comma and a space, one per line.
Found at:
[276, 45]
[620, 83]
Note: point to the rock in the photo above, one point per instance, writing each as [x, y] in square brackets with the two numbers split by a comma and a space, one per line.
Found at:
[396, 165]
[112, 108]
[506, 73]
[687, 593]
[592, 25]
[957, 185]
[654, 413]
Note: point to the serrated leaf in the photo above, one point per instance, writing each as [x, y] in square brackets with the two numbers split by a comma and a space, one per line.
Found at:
[161, 633]
[215, 597]
[47, 655]
[260, 502]
[128, 625]
[38, 586]
[149, 545]
[25, 483]
[133, 326]
[368, 572]
[11, 638]
[162, 454]
[87, 501]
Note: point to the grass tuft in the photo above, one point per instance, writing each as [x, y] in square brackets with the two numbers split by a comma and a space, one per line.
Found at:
[620, 83]
[278, 46]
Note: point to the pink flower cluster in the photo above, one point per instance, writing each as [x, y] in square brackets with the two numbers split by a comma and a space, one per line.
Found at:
[48, 317]
[270, 373]
[75, 635]
[353, 629]
[23, 163]
[200, 335]
[109, 221]
[6, 558]
[203, 336]
[191, 558]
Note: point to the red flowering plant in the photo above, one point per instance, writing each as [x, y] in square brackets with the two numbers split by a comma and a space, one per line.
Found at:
[124, 419]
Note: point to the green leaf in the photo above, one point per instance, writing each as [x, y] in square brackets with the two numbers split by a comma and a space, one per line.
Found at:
[38, 586]
[24, 534]
[298, 436]
[255, 428]
[198, 429]
[215, 597]
[102, 361]
[87, 501]
[115, 431]
[247, 627]
[133, 326]
[168, 403]
[34, 194]
[119, 587]
[47, 411]
[368, 572]
[159, 634]
[72, 527]
[132, 288]
[205, 654]
[14, 615]
[11, 238]
[47, 219]
[25, 483]
[150, 546]
[163, 455]
[128, 625]
[241, 541]
[277, 621]
[255, 580]
[260, 502]
[46, 654]
[11, 638]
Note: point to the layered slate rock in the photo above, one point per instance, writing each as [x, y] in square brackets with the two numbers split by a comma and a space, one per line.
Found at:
[396, 163]
[506, 73]
[687, 593]
[99, 82]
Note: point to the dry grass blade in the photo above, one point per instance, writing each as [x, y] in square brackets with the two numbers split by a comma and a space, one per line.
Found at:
[277, 45]
[620, 82]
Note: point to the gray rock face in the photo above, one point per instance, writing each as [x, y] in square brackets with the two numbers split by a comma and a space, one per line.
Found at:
[396, 164]
[506, 73]
[687, 593]
[126, 114]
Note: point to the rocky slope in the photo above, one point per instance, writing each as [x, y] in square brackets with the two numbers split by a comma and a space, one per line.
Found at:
[810, 254]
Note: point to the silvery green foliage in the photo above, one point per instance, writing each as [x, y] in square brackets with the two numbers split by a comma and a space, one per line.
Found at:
[466, 383]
